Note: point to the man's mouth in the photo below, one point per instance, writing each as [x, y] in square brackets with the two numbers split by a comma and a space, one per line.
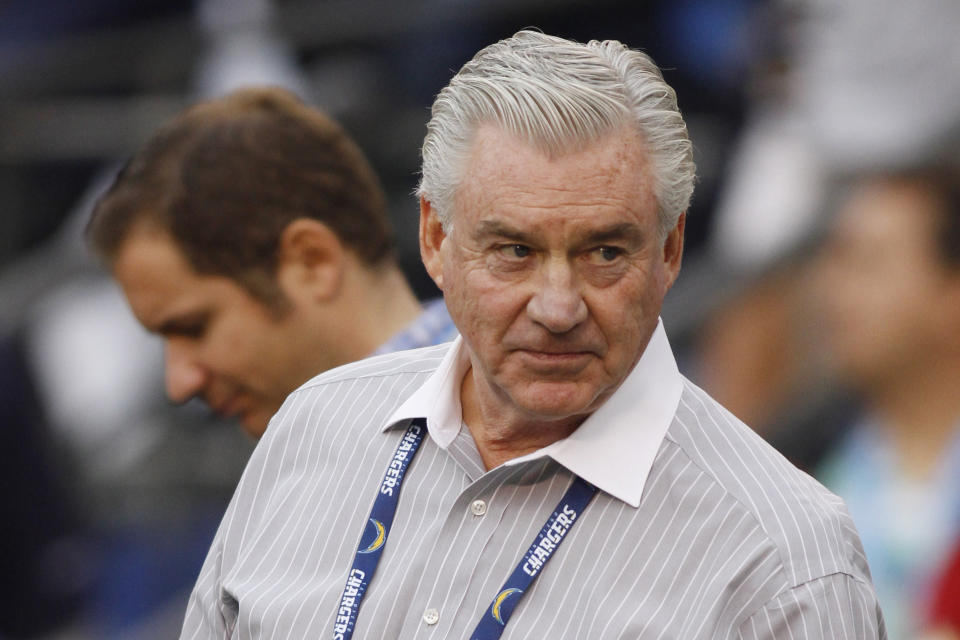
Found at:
[556, 358]
[228, 408]
[551, 353]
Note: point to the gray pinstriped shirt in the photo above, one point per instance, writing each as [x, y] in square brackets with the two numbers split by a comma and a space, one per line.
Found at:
[699, 530]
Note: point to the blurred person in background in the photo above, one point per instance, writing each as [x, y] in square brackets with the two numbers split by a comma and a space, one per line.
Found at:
[838, 87]
[889, 285]
[252, 235]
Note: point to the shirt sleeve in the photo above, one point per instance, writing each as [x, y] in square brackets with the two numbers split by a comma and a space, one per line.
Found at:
[834, 606]
[209, 616]
[212, 611]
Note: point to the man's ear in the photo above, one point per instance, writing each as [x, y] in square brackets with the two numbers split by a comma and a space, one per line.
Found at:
[673, 250]
[432, 236]
[311, 260]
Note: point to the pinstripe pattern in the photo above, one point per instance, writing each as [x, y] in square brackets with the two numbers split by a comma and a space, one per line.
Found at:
[728, 541]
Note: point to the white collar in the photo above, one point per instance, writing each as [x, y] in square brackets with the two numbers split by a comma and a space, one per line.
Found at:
[613, 449]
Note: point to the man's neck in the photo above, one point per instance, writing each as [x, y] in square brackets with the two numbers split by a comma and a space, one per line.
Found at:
[500, 436]
[383, 305]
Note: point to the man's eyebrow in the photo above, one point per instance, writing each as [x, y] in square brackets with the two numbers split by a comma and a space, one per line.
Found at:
[486, 228]
[180, 324]
[618, 231]
[622, 231]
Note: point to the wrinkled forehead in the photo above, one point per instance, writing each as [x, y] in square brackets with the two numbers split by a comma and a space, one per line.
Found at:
[505, 174]
[496, 155]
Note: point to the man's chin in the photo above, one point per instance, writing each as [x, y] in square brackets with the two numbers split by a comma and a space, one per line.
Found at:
[254, 422]
[557, 400]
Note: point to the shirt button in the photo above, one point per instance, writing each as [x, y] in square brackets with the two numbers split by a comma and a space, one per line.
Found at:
[478, 507]
[430, 616]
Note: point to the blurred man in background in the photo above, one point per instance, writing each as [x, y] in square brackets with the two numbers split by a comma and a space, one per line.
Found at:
[252, 234]
[891, 291]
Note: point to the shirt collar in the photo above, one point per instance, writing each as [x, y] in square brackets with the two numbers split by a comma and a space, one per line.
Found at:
[613, 449]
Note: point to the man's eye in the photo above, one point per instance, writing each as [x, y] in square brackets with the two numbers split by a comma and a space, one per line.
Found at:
[607, 254]
[193, 331]
[515, 251]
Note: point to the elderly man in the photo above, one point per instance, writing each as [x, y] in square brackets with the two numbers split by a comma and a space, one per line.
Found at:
[550, 474]
[252, 235]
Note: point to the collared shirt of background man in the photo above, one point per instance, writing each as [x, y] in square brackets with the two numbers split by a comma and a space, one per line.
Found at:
[251, 233]
[550, 474]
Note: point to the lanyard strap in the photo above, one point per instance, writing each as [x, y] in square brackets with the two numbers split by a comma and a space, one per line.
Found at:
[365, 562]
[375, 535]
[571, 505]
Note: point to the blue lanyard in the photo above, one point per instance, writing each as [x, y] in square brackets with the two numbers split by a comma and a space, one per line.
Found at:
[568, 511]
[365, 562]
[375, 535]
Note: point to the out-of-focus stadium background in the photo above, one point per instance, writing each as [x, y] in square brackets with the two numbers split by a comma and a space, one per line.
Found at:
[111, 495]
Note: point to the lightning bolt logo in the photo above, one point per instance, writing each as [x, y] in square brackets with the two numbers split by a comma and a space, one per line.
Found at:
[498, 603]
[379, 540]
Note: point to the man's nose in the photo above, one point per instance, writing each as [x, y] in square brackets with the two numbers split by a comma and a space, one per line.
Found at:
[557, 303]
[185, 376]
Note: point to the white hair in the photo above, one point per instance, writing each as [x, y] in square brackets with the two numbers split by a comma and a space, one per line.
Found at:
[559, 96]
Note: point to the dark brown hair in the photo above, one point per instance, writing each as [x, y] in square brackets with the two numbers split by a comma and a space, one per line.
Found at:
[227, 176]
